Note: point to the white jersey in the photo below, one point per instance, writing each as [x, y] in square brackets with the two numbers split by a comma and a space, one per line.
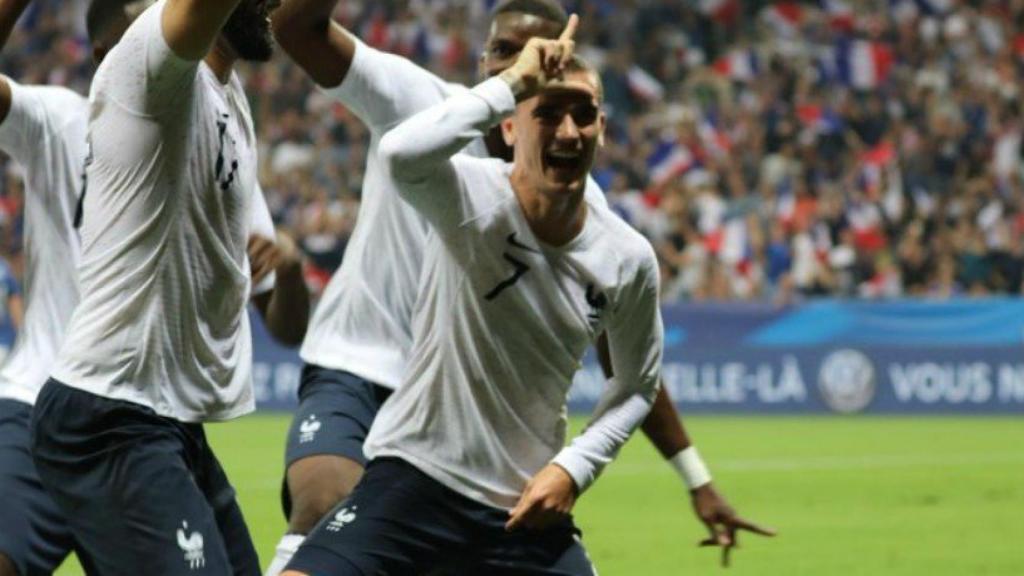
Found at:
[503, 321]
[363, 322]
[44, 132]
[168, 210]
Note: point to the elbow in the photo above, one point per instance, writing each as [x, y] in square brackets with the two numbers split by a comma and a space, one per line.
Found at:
[400, 161]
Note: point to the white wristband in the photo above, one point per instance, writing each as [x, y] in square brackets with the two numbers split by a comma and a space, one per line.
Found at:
[692, 469]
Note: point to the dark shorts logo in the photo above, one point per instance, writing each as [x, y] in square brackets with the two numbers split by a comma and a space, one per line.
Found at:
[846, 380]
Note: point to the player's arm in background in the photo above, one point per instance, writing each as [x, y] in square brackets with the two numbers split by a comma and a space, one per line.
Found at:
[190, 27]
[304, 29]
[664, 428]
[10, 12]
[419, 151]
[279, 290]
[381, 89]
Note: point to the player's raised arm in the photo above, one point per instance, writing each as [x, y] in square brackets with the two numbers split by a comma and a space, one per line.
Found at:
[191, 26]
[419, 150]
[316, 43]
[10, 11]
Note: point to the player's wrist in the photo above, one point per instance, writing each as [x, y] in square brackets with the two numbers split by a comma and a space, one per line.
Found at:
[520, 82]
[691, 468]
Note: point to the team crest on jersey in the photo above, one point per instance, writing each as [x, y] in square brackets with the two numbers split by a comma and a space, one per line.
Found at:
[308, 429]
[192, 546]
[343, 518]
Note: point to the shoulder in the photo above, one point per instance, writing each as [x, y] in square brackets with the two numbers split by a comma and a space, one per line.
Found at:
[57, 100]
[594, 194]
[473, 168]
[634, 251]
[46, 111]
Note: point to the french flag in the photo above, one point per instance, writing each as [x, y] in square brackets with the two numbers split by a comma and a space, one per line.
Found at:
[644, 86]
[840, 15]
[716, 140]
[739, 65]
[785, 17]
[734, 247]
[873, 162]
[818, 118]
[863, 64]
[721, 11]
[670, 159]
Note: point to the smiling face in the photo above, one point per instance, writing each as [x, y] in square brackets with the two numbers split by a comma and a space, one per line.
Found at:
[556, 134]
[248, 29]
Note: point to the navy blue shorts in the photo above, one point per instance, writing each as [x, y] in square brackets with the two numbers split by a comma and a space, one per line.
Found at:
[399, 521]
[143, 494]
[336, 410]
[33, 531]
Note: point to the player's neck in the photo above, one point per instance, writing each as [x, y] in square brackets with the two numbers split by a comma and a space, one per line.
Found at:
[221, 59]
[554, 218]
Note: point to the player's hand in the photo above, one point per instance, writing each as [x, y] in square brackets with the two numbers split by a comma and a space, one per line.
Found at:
[541, 62]
[266, 255]
[549, 497]
[721, 520]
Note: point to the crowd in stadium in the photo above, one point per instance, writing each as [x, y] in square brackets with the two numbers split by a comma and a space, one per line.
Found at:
[769, 150]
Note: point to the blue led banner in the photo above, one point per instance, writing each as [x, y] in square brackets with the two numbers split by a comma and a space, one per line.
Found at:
[912, 357]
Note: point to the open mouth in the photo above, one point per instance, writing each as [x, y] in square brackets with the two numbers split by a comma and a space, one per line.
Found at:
[563, 160]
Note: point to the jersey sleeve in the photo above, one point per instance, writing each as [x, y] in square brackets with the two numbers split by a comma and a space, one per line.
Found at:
[419, 152]
[635, 342]
[262, 225]
[384, 89]
[142, 74]
[33, 132]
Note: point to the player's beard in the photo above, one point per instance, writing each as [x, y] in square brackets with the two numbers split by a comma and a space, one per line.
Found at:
[248, 31]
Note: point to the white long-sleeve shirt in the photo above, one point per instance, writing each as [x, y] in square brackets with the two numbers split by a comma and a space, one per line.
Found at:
[503, 321]
[363, 322]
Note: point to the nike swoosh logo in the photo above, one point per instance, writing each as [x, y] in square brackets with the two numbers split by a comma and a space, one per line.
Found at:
[512, 240]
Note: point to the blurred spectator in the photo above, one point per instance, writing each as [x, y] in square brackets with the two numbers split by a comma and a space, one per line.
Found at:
[769, 150]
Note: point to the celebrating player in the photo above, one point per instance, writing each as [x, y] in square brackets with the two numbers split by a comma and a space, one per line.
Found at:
[360, 335]
[522, 275]
[160, 341]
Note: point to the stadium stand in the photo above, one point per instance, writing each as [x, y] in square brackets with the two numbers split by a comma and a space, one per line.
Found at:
[770, 150]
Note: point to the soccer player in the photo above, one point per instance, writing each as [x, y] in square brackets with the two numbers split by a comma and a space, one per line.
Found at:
[468, 469]
[360, 334]
[160, 341]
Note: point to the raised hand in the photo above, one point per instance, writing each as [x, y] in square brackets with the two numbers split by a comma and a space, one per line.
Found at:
[541, 62]
[722, 522]
[266, 255]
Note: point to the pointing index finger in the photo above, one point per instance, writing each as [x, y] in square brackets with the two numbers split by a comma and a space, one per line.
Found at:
[741, 524]
[570, 28]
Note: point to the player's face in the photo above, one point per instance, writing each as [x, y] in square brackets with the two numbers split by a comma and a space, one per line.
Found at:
[248, 29]
[509, 34]
[556, 134]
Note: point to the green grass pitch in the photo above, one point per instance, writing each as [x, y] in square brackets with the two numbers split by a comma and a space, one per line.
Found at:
[849, 496]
